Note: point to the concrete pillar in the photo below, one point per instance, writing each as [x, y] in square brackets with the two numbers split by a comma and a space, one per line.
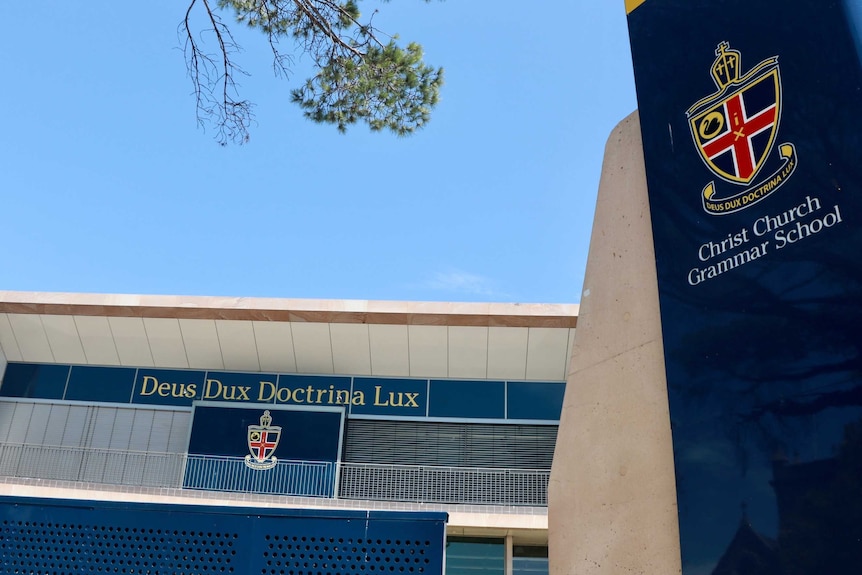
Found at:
[509, 554]
[3, 363]
[612, 500]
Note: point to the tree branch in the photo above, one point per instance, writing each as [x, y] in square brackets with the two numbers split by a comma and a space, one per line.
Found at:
[214, 78]
[358, 78]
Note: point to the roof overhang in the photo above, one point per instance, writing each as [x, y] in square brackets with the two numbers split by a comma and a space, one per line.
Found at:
[351, 337]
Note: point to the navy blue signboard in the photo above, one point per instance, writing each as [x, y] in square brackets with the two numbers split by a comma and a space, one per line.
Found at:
[361, 396]
[750, 116]
[264, 449]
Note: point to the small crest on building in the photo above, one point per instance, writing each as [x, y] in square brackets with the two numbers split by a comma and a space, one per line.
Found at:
[262, 441]
[735, 129]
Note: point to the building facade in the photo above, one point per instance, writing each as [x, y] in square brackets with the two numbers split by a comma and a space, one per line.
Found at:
[310, 406]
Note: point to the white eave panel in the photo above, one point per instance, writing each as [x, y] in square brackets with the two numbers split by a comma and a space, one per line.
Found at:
[547, 353]
[468, 352]
[507, 352]
[64, 339]
[313, 347]
[130, 338]
[389, 350]
[97, 340]
[166, 342]
[428, 350]
[200, 339]
[237, 341]
[351, 350]
[31, 338]
[274, 346]
[7, 340]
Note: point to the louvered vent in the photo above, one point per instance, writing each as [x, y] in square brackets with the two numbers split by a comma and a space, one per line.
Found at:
[449, 444]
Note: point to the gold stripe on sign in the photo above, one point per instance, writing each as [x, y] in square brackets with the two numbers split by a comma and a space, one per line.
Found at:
[632, 4]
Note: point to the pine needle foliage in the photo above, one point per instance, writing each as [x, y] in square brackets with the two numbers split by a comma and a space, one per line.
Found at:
[362, 75]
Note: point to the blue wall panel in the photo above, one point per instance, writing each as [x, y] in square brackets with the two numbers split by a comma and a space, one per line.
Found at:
[53, 536]
[35, 380]
[456, 398]
[109, 384]
[534, 400]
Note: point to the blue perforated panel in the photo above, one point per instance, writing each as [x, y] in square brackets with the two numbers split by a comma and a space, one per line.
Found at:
[59, 537]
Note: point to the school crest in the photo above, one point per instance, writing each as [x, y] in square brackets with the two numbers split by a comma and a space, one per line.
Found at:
[735, 130]
[262, 441]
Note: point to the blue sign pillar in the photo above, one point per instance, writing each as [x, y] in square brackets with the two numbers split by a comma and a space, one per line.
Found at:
[750, 115]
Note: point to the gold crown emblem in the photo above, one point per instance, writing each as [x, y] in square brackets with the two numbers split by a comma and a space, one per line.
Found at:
[265, 419]
[725, 69]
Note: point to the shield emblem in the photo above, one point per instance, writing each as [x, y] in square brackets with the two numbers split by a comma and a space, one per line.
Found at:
[734, 131]
[262, 441]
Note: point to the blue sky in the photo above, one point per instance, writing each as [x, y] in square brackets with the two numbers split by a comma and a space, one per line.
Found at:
[108, 185]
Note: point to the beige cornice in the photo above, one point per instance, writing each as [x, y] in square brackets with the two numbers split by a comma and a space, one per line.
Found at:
[292, 310]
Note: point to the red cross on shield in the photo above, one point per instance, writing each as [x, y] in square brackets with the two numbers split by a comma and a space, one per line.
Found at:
[735, 132]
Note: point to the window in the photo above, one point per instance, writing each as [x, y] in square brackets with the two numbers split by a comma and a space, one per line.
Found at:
[529, 560]
[475, 556]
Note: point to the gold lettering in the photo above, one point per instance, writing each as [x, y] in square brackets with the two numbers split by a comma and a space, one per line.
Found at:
[411, 399]
[320, 393]
[208, 394]
[358, 398]
[342, 397]
[283, 395]
[296, 395]
[191, 390]
[268, 385]
[164, 389]
[235, 393]
[377, 397]
[149, 379]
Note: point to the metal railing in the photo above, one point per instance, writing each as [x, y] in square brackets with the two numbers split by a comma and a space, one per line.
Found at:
[304, 478]
[113, 467]
[409, 483]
